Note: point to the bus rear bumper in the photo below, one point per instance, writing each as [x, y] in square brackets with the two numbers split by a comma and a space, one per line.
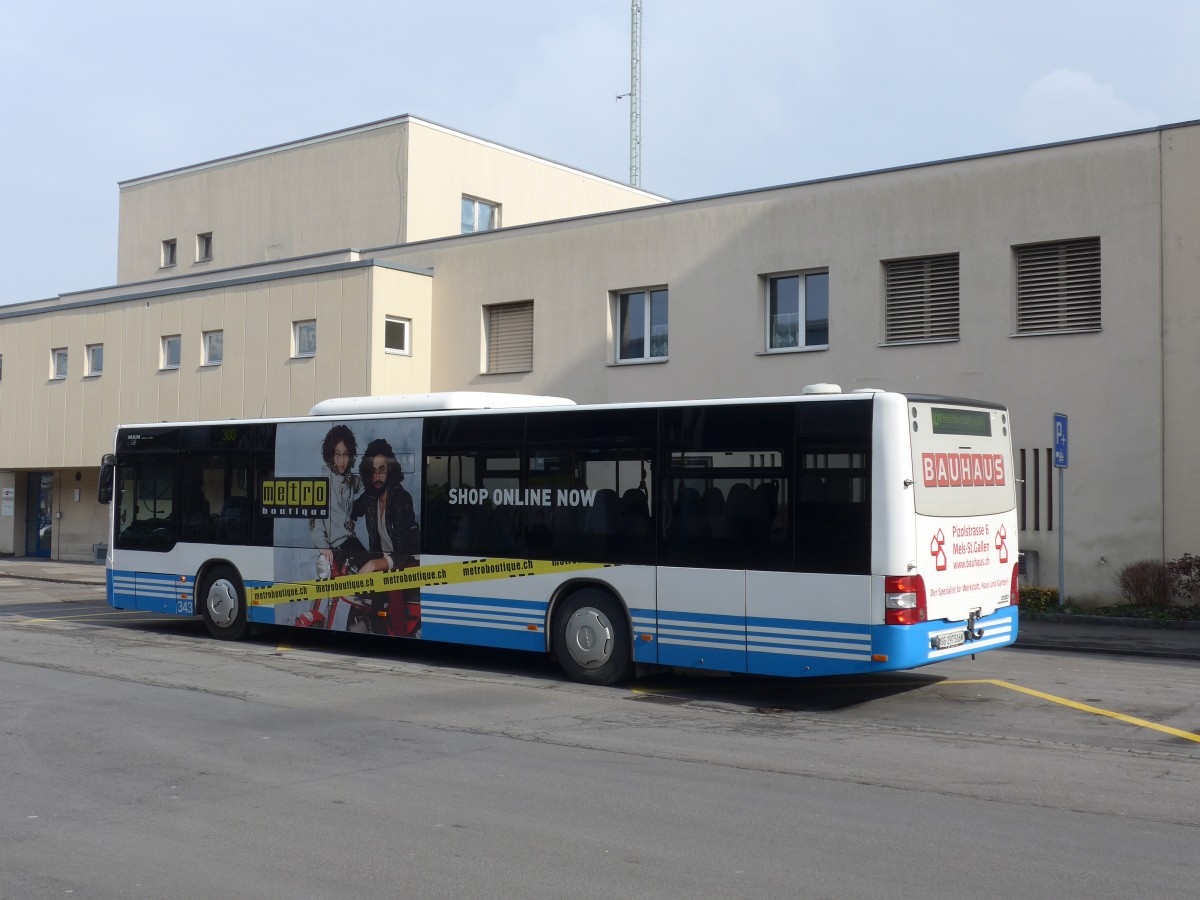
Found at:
[909, 646]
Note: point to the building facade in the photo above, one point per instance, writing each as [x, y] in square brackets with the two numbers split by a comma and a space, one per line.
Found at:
[1053, 279]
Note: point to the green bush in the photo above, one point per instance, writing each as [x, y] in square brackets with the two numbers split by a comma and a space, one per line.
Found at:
[1039, 599]
[1145, 582]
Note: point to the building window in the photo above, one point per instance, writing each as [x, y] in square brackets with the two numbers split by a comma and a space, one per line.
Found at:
[168, 253]
[798, 311]
[479, 215]
[214, 347]
[204, 247]
[396, 335]
[642, 325]
[95, 359]
[1058, 286]
[58, 363]
[1, 367]
[509, 337]
[304, 338]
[921, 299]
[170, 351]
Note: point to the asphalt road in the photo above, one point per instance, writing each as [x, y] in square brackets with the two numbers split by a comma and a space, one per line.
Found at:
[144, 760]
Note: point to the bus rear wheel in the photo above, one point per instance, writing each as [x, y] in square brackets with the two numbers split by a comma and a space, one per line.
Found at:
[591, 638]
[223, 604]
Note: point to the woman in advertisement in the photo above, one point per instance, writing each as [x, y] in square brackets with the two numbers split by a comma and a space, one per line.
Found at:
[333, 536]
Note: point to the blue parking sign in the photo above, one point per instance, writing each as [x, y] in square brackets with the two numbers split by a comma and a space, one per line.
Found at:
[1060, 440]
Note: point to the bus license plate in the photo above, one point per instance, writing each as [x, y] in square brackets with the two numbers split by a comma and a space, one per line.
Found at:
[945, 641]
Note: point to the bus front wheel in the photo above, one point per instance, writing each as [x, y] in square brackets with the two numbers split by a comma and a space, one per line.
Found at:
[223, 605]
[591, 638]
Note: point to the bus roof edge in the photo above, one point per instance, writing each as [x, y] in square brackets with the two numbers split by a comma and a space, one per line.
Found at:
[446, 400]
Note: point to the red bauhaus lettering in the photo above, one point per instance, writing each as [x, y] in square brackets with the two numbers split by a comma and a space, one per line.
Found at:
[962, 469]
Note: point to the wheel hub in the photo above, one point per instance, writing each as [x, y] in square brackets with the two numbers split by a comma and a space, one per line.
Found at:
[589, 638]
[222, 603]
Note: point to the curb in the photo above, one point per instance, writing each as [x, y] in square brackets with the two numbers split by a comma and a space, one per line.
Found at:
[1111, 650]
[1073, 619]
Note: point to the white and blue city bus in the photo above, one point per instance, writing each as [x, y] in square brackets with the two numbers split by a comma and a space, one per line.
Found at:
[819, 534]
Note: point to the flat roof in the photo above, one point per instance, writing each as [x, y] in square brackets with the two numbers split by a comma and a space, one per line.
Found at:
[362, 129]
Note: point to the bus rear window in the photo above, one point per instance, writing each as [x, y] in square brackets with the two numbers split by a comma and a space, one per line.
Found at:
[962, 460]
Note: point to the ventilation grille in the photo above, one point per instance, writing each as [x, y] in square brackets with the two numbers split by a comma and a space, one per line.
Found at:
[1058, 286]
[921, 299]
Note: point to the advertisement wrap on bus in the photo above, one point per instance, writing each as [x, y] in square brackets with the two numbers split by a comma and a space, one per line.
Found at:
[823, 533]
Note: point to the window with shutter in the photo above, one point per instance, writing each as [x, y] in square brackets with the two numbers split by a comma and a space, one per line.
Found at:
[1058, 286]
[510, 337]
[921, 299]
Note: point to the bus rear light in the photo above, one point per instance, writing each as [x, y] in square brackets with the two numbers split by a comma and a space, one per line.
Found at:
[903, 600]
[1014, 592]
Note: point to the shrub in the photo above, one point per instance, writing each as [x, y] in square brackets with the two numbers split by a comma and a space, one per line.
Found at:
[1184, 575]
[1039, 599]
[1145, 582]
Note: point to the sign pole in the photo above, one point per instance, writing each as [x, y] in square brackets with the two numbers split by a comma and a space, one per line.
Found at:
[1062, 593]
[1060, 463]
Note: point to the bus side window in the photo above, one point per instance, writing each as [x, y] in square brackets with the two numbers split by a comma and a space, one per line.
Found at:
[262, 526]
[728, 487]
[470, 503]
[590, 504]
[591, 483]
[217, 500]
[146, 508]
[834, 513]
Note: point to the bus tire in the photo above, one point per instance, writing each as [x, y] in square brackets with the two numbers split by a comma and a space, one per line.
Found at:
[223, 604]
[591, 638]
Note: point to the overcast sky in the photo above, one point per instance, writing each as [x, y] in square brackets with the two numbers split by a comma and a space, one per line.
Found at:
[735, 95]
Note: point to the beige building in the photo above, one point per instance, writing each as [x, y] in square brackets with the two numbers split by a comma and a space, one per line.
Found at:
[1054, 279]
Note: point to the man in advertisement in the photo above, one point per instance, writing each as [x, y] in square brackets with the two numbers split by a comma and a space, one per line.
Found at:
[394, 539]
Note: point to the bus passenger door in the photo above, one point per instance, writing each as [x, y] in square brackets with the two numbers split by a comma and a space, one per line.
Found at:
[702, 618]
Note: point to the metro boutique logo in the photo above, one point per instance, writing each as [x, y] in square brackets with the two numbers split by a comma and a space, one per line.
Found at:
[294, 498]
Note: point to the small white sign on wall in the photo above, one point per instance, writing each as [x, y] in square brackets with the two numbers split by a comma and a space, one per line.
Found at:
[6, 507]
[8, 493]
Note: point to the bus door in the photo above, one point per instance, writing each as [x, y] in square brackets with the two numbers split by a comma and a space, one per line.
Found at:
[724, 517]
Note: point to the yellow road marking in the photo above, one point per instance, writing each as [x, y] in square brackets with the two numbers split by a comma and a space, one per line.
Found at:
[1041, 695]
[1083, 707]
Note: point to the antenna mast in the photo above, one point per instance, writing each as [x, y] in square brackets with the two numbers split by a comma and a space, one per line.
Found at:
[635, 95]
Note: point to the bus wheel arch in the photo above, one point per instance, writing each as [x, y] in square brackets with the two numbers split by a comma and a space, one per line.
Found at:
[590, 634]
[221, 599]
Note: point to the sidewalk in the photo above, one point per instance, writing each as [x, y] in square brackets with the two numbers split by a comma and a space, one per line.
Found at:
[1088, 634]
[1101, 634]
[36, 569]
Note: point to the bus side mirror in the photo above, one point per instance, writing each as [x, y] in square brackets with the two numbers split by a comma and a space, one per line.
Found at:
[108, 469]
